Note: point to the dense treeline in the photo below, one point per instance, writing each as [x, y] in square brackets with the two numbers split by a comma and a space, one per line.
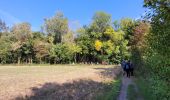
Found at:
[102, 41]
[152, 54]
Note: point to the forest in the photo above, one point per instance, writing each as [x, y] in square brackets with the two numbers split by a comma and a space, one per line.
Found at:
[102, 41]
[145, 41]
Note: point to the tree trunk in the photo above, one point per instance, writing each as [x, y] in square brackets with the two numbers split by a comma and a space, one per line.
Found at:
[55, 61]
[19, 60]
[40, 60]
[26, 60]
[31, 60]
[75, 58]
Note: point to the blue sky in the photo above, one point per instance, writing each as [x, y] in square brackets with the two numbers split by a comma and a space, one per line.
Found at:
[79, 12]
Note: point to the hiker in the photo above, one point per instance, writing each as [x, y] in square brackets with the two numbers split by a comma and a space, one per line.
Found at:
[131, 68]
[123, 63]
[127, 68]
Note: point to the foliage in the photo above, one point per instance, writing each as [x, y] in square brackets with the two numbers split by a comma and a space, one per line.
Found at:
[5, 45]
[144, 88]
[127, 25]
[159, 45]
[151, 48]
[97, 42]
[101, 21]
[131, 92]
[41, 49]
[111, 91]
[98, 45]
[60, 53]
[56, 26]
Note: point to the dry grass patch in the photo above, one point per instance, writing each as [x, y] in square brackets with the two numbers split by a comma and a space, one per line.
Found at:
[54, 82]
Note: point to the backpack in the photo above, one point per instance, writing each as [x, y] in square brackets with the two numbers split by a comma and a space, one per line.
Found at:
[127, 66]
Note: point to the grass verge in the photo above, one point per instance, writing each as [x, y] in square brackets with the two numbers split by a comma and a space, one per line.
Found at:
[110, 91]
[132, 93]
[144, 88]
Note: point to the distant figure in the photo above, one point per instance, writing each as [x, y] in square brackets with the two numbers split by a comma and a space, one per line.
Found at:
[131, 68]
[123, 63]
[127, 68]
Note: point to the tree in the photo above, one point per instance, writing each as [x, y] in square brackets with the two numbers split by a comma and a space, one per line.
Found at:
[116, 44]
[160, 22]
[101, 21]
[68, 37]
[61, 53]
[38, 35]
[56, 26]
[97, 42]
[85, 42]
[3, 27]
[68, 40]
[41, 49]
[22, 33]
[5, 48]
[98, 45]
[157, 55]
[100, 42]
[138, 42]
[127, 25]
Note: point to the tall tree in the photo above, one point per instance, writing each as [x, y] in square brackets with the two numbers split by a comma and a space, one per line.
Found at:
[22, 33]
[5, 48]
[41, 49]
[101, 21]
[127, 25]
[56, 26]
[160, 22]
[3, 27]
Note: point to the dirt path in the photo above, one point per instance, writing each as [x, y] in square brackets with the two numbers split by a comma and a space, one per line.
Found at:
[124, 88]
[123, 92]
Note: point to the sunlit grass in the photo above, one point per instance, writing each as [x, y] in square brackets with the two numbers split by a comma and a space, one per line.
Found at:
[22, 78]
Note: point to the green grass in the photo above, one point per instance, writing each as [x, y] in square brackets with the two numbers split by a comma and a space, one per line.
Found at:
[111, 91]
[132, 93]
[144, 88]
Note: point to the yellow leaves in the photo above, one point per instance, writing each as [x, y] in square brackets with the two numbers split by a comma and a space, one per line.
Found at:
[74, 48]
[109, 47]
[117, 49]
[114, 35]
[109, 31]
[98, 45]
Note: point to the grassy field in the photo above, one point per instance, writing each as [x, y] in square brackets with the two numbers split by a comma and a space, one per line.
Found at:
[68, 82]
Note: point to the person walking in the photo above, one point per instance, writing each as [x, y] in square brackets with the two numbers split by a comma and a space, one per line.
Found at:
[127, 68]
[123, 63]
[131, 68]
